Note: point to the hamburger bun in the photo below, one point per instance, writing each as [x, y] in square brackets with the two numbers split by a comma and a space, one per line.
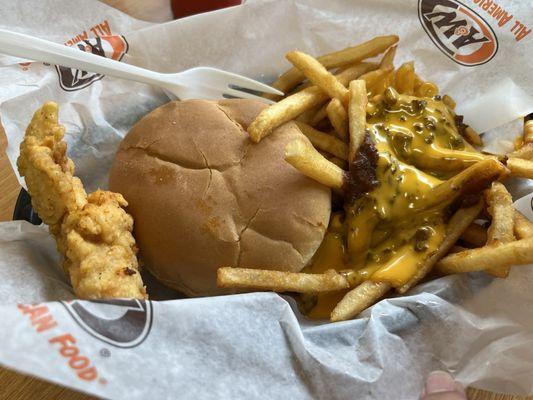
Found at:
[203, 195]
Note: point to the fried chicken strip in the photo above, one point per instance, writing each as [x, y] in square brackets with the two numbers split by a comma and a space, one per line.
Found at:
[93, 233]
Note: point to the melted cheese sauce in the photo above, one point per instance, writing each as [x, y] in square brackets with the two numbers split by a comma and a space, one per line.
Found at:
[389, 233]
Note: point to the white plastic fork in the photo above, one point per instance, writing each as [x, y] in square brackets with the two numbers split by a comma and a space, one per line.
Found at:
[198, 83]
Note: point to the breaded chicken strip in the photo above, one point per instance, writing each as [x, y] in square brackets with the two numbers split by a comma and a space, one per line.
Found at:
[47, 170]
[93, 232]
[100, 249]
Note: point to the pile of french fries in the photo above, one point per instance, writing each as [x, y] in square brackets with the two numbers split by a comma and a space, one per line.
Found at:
[338, 91]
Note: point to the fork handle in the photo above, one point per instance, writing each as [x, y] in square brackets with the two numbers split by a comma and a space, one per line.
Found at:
[32, 48]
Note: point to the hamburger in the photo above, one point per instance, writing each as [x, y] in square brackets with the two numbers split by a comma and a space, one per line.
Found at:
[203, 196]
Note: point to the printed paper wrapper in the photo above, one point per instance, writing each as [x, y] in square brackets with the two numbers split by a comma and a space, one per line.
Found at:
[257, 345]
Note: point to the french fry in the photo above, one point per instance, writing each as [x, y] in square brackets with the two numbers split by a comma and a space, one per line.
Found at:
[528, 131]
[284, 111]
[387, 61]
[308, 115]
[457, 249]
[405, 78]
[456, 226]
[427, 89]
[338, 162]
[350, 73]
[356, 71]
[305, 158]
[358, 299]
[320, 115]
[338, 117]
[292, 106]
[475, 235]
[472, 137]
[523, 228]
[472, 180]
[518, 252]
[356, 116]
[525, 152]
[318, 75]
[280, 281]
[323, 141]
[372, 77]
[424, 89]
[500, 207]
[450, 103]
[380, 84]
[344, 75]
[350, 55]
[520, 168]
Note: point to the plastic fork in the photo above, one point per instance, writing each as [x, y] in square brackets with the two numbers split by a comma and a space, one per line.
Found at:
[200, 82]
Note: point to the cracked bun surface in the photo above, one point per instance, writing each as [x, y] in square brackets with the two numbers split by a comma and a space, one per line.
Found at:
[203, 195]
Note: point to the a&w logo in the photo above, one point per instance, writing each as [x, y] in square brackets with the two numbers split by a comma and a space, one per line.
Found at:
[458, 31]
[114, 47]
[121, 323]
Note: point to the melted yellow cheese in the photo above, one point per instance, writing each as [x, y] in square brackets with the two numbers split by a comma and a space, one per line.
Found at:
[390, 232]
[330, 254]
[406, 261]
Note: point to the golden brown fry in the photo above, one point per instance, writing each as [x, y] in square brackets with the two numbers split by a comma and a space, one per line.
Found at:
[350, 55]
[523, 228]
[324, 141]
[472, 180]
[405, 78]
[520, 167]
[318, 75]
[308, 115]
[338, 162]
[93, 232]
[320, 115]
[280, 281]
[457, 249]
[372, 77]
[424, 89]
[472, 137]
[456, 226]
[292, 106]
[354, 72]
[380, 83]
[284, 111]
[500, 207]
[528, 131]
[448, 101]
[387, 61]
[347, 74]
[525, 152]
[514, 253]
[427, 89]
[358, 299]
[356, 116]
[305, 158]
[475, 235]
[338, 118]
[360, 52]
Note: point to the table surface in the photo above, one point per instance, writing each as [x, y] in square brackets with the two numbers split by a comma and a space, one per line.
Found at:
[15, 386]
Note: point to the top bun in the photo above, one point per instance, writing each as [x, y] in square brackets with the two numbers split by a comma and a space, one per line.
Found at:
[203, 195]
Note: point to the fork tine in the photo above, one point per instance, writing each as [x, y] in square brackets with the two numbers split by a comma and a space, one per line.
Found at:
[246, 95]
[250, 84]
